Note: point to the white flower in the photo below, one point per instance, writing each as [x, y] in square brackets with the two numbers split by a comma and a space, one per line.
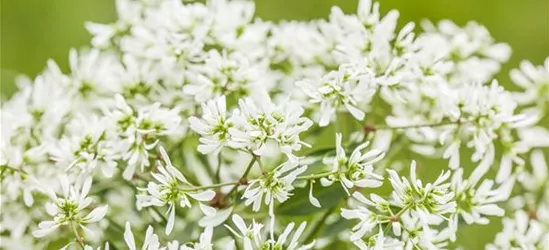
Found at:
[93, 73]
[534, 80]
[429, 202]
[258, 122]
[68, 209]
[356, 170]
[150, 242]
[204, 242]
[87, 148]
[128, 12]
[368, 219]
[348, 87]
[472, 48]
[474, 203]
[222, 74]
[251, 235]
[280, 242]
[536, 179]
[213, 125]
[213, 217]
[171, 188]
[139, 130]
[484, 110]
[275, 185]
[521, 232]
[376, 242]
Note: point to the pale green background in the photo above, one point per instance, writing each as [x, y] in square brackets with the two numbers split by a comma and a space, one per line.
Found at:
[34, 30]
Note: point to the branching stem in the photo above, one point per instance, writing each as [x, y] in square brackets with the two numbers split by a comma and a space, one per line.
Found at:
[243, 177]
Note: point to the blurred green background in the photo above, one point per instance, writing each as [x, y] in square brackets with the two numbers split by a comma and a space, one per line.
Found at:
[33, 31]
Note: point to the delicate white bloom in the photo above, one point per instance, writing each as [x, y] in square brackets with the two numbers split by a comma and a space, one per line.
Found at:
[172, 189]
[222, 74]
[294, 242]
[213, 217]
[534, 80]
[139, 129]
[275, 185]
[355, 170]
[89, 148]
[521, 232]
[429, 202]
[151, 241]
[484, 110]
[251, 235]
[348, 87]
[471, 47]
[260, 121]
[213, 125]
[70, 208]
[475, 203]
[204, 242]
[536, 179]
[368, 219]
[93, 73]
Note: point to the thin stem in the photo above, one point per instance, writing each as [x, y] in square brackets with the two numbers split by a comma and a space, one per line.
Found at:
[246, 172]
[19, 170]
[261, 166]
[318, 176]
[432, 125]
[396, 216]
[209, 186]
[79, 239]
[218, 170]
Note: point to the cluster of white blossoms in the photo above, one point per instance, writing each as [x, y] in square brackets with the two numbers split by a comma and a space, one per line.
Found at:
[218, 130]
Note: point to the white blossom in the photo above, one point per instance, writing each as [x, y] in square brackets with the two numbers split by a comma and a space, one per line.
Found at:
[213, 125]
[355, 170]
[348, 87]
[69, 209]
[169, 188]
[274, 185]
[534, 80]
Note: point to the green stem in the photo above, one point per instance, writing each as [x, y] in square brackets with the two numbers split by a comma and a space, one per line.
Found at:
[6, 167]
[432, 125]
[209, 186]
[218, 170]
[318, 176]
[396, 216]
[79, 239]
[246, 172]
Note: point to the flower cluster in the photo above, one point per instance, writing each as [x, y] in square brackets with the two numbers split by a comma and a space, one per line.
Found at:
[217, 127]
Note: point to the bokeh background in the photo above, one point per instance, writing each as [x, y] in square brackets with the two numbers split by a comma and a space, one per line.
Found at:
[33, 31]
